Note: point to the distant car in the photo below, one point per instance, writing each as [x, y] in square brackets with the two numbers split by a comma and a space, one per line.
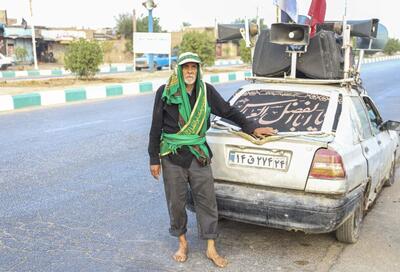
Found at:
[5, 62]
[159, 61]
[320, 173]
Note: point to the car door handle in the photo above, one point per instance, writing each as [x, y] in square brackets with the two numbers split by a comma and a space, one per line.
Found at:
[366, 149]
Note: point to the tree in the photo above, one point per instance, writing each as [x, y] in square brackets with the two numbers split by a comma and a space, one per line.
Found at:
[201, 43]
[21, 53]
[142, 24]
[83, 58]
[124, 25]
[245, 52]
[107, 47]
[392, 46]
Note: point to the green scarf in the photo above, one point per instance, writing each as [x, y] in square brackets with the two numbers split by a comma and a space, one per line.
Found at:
[192, 122]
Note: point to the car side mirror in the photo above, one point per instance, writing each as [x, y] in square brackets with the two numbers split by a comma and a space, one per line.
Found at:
[390, 125]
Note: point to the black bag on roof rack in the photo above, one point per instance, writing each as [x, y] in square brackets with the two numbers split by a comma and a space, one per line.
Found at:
[323, 60]
[270, 59]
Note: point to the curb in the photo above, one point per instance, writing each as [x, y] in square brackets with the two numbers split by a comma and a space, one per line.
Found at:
[103, 70]
[378, 59]
[56, 97]
[45, 98]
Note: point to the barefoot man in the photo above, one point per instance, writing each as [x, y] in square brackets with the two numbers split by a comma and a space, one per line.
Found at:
[181, 117]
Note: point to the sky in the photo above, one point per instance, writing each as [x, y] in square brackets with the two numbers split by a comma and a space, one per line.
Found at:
[98, 13]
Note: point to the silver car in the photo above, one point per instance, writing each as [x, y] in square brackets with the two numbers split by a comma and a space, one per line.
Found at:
[321, 172]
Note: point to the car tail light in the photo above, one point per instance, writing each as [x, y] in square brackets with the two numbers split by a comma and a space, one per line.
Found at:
[327, 164]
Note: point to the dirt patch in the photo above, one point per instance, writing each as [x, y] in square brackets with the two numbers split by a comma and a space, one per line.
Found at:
[13, 87]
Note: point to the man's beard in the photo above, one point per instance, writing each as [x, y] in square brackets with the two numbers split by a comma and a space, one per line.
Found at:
[190, 81]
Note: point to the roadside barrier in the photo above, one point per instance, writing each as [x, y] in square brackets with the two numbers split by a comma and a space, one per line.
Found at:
[105, 69]
[69, 95]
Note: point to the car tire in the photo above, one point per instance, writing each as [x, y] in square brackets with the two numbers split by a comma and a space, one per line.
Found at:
[138, 69]
[3, 67]
[392, 175]
[349, 231]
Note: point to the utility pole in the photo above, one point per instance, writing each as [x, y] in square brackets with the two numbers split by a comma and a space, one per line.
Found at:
[150, 5]
[133, 39]
[33, 38]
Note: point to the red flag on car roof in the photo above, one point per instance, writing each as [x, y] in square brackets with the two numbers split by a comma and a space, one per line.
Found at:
[317, 13]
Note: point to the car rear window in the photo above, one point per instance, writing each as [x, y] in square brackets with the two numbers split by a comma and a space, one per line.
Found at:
[287, 111]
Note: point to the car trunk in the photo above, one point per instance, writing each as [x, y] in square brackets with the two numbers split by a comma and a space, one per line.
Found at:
[284, 163]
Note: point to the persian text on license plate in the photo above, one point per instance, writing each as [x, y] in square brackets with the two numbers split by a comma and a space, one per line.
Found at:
[258, 160]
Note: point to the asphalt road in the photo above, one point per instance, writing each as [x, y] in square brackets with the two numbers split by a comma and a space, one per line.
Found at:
[76, 195]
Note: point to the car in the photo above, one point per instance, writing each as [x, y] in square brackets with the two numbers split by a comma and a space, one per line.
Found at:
[159, 61]
[331, 157]
[5, 62]
[320, 173]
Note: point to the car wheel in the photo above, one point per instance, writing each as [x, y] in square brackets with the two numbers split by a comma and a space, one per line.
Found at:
[392, 175]
[138, 69]
[349, 231]
[3, 67]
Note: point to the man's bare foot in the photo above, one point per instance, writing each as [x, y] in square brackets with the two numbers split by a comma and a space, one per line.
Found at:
[213, 255]
[217, 260]
[181, 254]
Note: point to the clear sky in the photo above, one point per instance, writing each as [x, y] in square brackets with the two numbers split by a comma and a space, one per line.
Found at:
[99, 13]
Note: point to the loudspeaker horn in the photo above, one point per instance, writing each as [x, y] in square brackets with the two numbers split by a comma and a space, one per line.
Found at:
[359, 28]
[290, 34]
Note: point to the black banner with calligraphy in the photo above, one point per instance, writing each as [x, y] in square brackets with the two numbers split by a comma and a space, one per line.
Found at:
[283, 110]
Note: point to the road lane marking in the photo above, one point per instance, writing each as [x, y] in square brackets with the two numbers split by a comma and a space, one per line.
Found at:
[75, 126]
[136, 118]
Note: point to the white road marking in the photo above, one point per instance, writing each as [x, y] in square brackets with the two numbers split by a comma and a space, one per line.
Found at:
[136, 118]
[75, 126]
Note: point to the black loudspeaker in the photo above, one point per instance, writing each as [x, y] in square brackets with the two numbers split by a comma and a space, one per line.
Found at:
[366, 28]
[377, 44]
[290, 34]
[359, 28]
[270, 59]
[228, 32]
[324, 57]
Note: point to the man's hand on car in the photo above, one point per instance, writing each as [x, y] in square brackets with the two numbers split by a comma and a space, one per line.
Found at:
[264, 131]
[155, 171]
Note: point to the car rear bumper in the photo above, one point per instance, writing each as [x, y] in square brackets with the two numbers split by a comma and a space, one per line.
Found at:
[290, 210]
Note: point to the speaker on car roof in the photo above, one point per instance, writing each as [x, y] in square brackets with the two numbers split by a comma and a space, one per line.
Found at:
[228, 32]
[290, 34]
[359, 28]
[377, 44]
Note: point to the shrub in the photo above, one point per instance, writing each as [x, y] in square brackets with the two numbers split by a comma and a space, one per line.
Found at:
[20, 54]
[83, 58]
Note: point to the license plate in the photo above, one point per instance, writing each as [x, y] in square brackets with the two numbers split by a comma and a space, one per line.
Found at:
[258, 160]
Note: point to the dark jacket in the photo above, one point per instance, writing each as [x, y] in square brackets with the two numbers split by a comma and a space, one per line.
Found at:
[165, 118]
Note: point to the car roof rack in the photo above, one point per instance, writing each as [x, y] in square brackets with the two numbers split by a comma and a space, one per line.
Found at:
[345, 81]
[286, 53]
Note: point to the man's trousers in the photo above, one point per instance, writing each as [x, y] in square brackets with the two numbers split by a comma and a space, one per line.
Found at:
[200, 180]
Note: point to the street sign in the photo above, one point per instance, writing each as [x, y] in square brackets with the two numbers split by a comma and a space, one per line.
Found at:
[156, 43]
